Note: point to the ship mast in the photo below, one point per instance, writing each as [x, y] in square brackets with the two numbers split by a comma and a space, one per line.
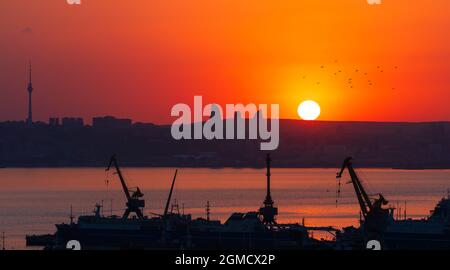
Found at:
[268, 211]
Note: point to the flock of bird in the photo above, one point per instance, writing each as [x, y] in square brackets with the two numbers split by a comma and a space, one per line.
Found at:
[351, 74]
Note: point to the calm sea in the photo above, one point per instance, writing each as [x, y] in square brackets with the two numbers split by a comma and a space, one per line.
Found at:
[33, 200]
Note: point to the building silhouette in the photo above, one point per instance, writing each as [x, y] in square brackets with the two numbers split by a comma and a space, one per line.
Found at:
[72, 122]
[53, 122]
[111, 122]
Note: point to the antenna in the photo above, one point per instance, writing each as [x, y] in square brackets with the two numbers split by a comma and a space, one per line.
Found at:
[3, 241]
[29, 64]
[174, 207]
[405, 212]
[397, 208]
[107, 180]
[30, 90]
[338, 191]
[207, 211]
[71, 215]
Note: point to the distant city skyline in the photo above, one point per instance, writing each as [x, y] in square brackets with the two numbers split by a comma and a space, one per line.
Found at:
[360, 62]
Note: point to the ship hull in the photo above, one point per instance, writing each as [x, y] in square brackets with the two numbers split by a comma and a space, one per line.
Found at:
[155, 238]
[416, 241]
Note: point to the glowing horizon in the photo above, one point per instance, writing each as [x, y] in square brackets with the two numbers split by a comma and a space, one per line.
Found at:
[360, 62]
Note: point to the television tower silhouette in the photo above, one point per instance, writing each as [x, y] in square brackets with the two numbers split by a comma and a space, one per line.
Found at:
[30, 90]
[268, 211]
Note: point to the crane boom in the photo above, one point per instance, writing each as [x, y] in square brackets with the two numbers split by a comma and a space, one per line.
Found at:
[376, 218]
[363, 199]
[134, 203]
[113, 160]
[170, 194]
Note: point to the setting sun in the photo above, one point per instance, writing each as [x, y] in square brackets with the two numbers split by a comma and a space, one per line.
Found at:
[309, 110]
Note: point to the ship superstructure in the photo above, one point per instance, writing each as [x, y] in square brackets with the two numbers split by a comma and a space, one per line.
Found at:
[378, 223]
[175, 230]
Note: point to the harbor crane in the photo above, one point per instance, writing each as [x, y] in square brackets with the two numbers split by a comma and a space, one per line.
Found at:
[134, 201]
[268, 211]
[376, 218]
[166, 209]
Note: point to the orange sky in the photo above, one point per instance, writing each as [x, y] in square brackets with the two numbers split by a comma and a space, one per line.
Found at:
[138, 58]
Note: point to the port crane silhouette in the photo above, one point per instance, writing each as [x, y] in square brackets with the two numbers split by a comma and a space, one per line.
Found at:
[166, 209]
[376, 218]
[134, 201]
[268, 212]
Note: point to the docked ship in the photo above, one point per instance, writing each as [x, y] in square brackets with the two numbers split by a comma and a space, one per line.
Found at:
[256, 230]
[377, 222]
